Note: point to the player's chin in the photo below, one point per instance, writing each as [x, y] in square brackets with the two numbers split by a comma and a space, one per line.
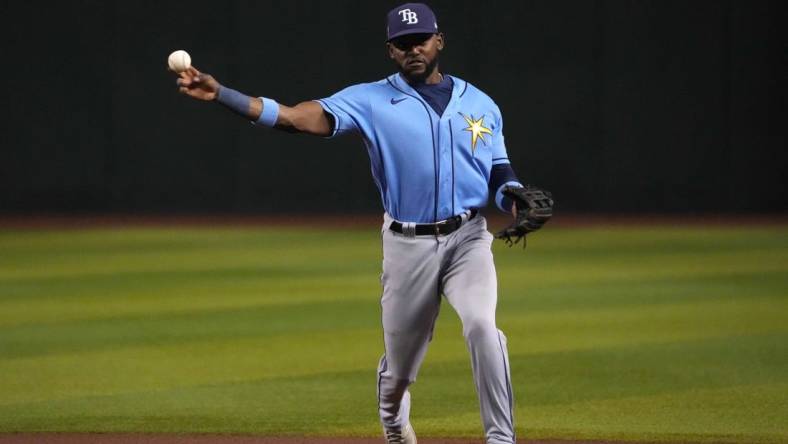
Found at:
[415, 70]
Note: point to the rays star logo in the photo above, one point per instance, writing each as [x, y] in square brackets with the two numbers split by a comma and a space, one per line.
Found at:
[477, 130]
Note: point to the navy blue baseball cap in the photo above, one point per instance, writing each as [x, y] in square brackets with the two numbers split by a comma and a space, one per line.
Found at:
[410, 18]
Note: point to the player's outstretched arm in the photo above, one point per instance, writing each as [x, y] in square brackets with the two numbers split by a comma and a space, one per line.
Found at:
[306, 117]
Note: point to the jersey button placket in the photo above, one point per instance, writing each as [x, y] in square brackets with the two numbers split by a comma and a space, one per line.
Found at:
[446, 169]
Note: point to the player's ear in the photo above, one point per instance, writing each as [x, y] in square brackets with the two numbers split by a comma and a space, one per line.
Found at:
[441, 41]
[390, 50]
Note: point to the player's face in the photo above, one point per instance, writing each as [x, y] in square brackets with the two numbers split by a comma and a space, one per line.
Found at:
[416, 55]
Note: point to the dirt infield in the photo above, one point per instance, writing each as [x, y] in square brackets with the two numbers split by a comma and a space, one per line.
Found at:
[111, 438]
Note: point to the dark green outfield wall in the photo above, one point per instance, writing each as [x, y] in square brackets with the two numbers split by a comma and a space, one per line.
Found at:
[631, 106]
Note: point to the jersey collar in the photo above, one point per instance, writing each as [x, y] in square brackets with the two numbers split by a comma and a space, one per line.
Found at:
[458, 90]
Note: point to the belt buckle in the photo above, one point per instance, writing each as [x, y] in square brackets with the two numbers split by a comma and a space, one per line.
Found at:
[409, 229]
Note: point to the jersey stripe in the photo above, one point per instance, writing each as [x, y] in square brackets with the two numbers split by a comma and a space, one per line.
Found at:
[451, 141]
[337, 121]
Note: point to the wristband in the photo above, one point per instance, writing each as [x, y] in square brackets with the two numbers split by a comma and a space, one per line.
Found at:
[503, 202]
[270, 112]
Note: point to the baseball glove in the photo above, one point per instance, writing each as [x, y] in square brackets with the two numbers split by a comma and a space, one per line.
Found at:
[534, 208]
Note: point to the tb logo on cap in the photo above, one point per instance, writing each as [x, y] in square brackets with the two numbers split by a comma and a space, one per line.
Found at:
[409, 16]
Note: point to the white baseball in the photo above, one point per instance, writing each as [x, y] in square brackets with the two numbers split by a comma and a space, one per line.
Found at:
[179, 61]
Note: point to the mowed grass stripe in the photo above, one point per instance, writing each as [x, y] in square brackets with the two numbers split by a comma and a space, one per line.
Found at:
[270, 269]
[149, 250]
[571, 294]
[593, 324]
[39, 254]
[159, 329]
[196, 278]
[719, 415]
[657, 240]
[65, 326]
[179, 293]
[157, 367]
[99, 241]
[186, 299]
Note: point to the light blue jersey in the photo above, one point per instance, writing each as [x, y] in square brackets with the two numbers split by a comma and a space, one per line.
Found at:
[427, 167]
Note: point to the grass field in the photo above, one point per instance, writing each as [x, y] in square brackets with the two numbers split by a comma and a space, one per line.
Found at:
[635, 333]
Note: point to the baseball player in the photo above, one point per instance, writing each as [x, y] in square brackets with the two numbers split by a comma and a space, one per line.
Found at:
[436, 147]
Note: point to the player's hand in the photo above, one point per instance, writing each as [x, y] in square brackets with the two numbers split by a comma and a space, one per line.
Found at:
[198, 85]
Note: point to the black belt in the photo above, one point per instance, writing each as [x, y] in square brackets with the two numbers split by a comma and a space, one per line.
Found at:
[444, 227]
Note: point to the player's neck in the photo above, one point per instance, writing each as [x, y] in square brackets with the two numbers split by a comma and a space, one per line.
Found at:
[434, 78]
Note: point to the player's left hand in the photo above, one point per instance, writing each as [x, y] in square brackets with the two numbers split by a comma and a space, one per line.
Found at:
[531, 208]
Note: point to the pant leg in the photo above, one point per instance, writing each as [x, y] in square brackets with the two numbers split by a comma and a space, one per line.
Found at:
[409, 306]
[470, 287]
